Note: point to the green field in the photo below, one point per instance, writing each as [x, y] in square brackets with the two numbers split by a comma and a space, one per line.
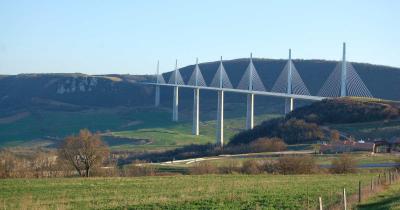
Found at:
[178, 134]
[179, 192]
[127, 124]
[389, 199]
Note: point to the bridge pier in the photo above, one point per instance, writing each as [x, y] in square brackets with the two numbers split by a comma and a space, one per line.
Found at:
[175, 104]
[289, 105]
[157, 99]
[220, 119]
[196, 100]
[250, 111]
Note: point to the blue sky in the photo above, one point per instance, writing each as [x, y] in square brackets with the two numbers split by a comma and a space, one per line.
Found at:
[99, 37]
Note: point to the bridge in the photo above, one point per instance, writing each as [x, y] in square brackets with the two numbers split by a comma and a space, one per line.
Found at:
[343, 81]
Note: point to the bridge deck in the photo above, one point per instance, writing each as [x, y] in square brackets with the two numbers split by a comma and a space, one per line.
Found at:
[265, 93]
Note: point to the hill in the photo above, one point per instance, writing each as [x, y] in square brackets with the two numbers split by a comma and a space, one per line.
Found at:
[75, 91]
[304, 125]
[50, 106]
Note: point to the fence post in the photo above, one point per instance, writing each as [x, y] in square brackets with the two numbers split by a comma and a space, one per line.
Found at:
[379, 179]
[372, 184]
[390, 177]
[359, 191]
[344, 199]
[320, 203]
[308, 199]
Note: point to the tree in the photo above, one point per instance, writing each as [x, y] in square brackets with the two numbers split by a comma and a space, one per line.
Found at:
[83, 152]
[335, 135]
[343, 164]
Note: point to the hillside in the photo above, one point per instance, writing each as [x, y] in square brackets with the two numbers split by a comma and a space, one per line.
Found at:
[50, 106]
[304, 125]
[74, 91]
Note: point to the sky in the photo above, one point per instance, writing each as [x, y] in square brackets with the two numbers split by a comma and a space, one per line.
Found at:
[128, 37]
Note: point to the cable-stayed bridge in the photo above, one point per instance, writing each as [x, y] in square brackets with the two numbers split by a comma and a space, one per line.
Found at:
[343, 81]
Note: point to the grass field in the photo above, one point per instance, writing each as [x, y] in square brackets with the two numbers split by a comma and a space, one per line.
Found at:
[130, 124]
[57, 124]
[360, 158]
[178, 134]
[389, 199]
[179, 192]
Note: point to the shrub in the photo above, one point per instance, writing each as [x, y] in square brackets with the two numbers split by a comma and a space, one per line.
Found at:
[139, 169]
[269, 166]
[296, 165]
[343, 164]
[268, 145]
[252, 167]
[230, 167]
[203, 167]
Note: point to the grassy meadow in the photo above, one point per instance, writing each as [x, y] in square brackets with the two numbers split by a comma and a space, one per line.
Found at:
[127, 125]
[389, 199]
[179, 192]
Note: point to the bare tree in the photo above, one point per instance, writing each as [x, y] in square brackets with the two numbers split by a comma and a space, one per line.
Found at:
[83, 152]
[335, 135]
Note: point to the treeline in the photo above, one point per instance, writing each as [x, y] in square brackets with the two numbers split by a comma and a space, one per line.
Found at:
[292, 131]
[345, 110]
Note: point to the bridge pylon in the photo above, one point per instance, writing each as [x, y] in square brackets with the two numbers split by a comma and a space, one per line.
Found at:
[196, 100]
[250, 97]
[289, 102]
[343, 77]
[175, 101]
[157, 87]
[220, 108]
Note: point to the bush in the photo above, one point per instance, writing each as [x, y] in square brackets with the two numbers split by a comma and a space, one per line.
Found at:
[252, 167]
[139, 169]
[296, 165]
[269, 166]
[230, 167]
[203, 167]
[268, 145]
[343, 164]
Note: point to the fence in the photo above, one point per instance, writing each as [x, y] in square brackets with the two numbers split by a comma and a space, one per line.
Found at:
[364, 190]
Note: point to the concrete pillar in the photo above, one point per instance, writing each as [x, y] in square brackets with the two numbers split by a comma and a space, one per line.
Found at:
[220, 119]
[289, 105]
[157, 99]
[250, 111]
[175, 104]
[196, 100]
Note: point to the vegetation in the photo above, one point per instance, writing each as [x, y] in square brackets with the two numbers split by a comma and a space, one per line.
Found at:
[370, 130]
[389, 199]
[292, 131]
[297, 165]
[179, 192]
[347, 110]
[83, 152]
[343, 164]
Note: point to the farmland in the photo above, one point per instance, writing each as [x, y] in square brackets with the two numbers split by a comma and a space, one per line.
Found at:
[179, 192]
